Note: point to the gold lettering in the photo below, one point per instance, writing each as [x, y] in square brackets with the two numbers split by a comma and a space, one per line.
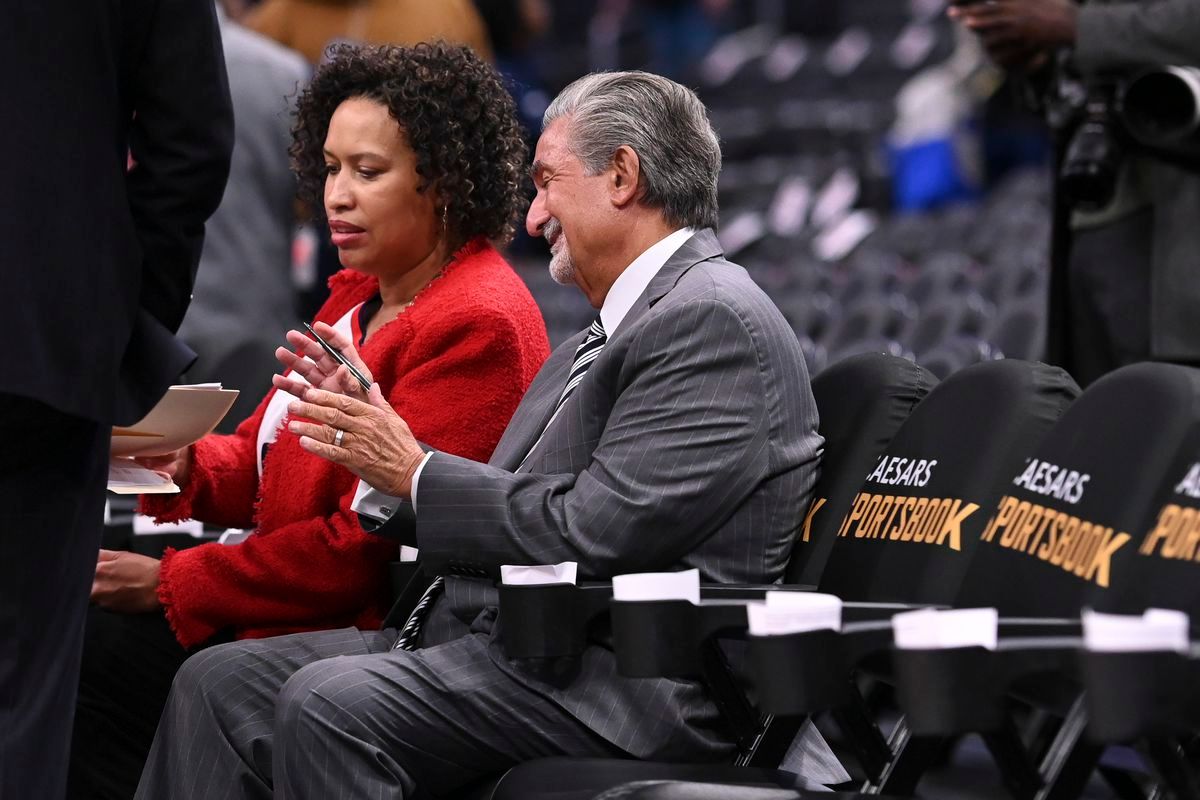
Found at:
[1014, 526]
[1029, 524]
[888, 530]
[874, 524]
[1102, 560]
[933, 520]
[1191, 527]
[1051, 517]
[952, 526]
[808, 518]
[1168, 518]
[1000, 518]
[915, 520]
[855, 513]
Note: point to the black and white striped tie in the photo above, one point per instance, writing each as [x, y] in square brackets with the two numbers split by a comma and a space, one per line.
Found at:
[407, 640]
[585, 354]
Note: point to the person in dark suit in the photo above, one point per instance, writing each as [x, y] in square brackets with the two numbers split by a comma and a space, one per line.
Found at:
[677, 431]
[117, 133]
[1123, 284]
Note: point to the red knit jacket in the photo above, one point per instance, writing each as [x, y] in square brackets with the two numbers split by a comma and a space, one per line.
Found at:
[454, 365]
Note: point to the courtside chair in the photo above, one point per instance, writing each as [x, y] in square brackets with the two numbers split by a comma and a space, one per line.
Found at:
[862, 402]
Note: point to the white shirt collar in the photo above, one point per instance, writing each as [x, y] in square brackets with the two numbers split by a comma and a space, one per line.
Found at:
[630, 284]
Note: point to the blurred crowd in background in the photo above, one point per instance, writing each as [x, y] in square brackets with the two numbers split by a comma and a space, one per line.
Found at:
[881, 180]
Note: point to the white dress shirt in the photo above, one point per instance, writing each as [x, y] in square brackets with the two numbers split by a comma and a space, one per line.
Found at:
[625, 291]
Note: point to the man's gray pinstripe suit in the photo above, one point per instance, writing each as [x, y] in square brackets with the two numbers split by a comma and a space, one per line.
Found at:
[691, 442]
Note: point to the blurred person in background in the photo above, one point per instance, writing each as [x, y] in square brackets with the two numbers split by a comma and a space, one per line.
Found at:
[244, 294]
[309, 26]
[1125, 283]
[118, 134]
[679, 32]
[414, 190]
[515, 28]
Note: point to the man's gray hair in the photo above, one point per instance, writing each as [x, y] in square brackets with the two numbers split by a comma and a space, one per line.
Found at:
[663, 122]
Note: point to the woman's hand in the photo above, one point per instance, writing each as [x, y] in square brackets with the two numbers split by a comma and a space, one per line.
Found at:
[319, 368]
[176, 465]
[375, 443]
[126, 582]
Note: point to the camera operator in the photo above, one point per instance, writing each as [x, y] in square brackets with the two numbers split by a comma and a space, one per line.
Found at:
[1125, 272]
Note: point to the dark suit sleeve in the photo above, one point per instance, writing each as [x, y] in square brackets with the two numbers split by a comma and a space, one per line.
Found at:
[181, 139]
[685, 443]
[1126, 36]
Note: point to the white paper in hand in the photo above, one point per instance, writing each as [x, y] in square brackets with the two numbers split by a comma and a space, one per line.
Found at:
[126, 476]
[146, 526]
[658, 586]
[794, 612]
[538, 574]
[1158, 629]
[930, 629]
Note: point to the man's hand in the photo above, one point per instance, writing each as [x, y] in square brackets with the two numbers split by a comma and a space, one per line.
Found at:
[376, 443]
[1019, 33]
[320, 369]
[126, 582]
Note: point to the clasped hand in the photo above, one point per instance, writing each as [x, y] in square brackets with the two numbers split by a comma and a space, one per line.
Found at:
[126, 582]
[376, 443]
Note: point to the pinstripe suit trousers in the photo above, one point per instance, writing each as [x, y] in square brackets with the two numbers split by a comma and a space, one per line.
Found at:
[339, 714]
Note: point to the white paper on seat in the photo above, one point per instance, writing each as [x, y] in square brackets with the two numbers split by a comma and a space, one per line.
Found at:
[658, 586]
[931, 629]
[408, 554]
[538, 574]
[144, 525]
[1156, 630]
[794, 612]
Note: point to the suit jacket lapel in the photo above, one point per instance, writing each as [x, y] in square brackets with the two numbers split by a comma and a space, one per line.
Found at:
[536, 407]
[702, 246]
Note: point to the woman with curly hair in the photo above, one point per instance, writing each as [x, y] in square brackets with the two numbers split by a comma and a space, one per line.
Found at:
[416, 158]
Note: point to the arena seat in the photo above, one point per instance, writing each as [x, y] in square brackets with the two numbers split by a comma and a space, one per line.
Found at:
[862, 403]
[1084, 523]
[1019, 400]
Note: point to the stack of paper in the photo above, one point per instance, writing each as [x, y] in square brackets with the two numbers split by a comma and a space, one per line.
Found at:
[930, 629]
[1156, 629]
[794, 612]
[658, 586]
[538, 574]
[181, 417]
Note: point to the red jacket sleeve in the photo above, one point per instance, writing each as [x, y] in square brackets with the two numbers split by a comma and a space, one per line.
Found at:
[303, 574]
[223, 483]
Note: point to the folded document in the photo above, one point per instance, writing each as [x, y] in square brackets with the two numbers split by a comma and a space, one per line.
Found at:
[181, 417]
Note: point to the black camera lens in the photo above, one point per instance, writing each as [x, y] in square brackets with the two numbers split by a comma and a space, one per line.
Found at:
[1088, 176]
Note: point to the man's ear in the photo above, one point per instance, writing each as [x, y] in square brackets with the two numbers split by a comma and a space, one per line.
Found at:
[625, 176]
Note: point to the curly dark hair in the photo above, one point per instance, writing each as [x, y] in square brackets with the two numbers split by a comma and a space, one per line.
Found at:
[456, 115]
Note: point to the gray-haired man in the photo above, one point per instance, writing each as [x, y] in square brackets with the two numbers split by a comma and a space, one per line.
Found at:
[678, 431]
